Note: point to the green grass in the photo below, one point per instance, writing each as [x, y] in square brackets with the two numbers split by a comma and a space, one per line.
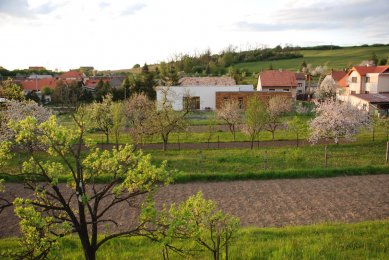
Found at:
[365, 240]
[361, 157]
[336, 59]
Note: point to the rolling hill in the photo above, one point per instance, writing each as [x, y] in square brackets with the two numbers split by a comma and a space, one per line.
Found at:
[334, 59]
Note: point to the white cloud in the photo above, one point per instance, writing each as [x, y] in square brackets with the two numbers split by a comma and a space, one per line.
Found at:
[117, 34]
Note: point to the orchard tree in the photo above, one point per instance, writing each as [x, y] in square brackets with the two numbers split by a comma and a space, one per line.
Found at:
[4, 203]
[138, 111]
[297, 126]
[384, 122]
[100, 116]
[231, 114]
[83, 205]
[194, 220]
[39, 234]
[255, 118]
[326, 90]
[11, 91]
[117, 120]
[277, 106]
[335, 120]
[16, 111]
[164, 119]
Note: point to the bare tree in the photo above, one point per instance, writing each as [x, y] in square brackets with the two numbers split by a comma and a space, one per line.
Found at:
[138, 111]
[277, 106]
[164, 119]
[231, 114]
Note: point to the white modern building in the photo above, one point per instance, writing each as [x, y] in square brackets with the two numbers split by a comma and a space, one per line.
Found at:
[203, 97]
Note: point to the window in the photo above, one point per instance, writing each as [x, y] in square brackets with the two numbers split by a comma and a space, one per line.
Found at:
[354, 79]
[225, 100]
[300, 85]
[364, 107]
[240, 102]
[353, 92]
[286, 90]
[299, 91]
[366, 92]
[272, 89]
[191, 102]
[367, 79]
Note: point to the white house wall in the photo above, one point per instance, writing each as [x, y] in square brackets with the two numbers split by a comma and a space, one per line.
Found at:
[383, 83]
[355, 101]
[355, 87]
[207, 94]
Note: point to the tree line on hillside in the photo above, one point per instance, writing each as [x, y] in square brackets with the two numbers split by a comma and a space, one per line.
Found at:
[216, 64]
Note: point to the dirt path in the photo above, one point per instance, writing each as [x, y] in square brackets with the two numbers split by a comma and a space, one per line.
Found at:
[270, 203]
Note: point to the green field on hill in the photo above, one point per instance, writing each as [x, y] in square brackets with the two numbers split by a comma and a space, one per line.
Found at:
[334, 59]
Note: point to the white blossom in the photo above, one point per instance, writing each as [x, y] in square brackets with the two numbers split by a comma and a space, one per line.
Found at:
[335, 120]
[17, 111]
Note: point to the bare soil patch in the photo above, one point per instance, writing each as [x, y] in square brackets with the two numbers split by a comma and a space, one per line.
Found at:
[270, 203]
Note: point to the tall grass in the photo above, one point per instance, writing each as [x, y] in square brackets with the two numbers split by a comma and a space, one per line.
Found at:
[365, 240]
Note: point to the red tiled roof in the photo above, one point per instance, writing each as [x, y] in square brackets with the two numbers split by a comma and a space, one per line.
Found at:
[338, 75]
[71, 74]
[300, 76]
[92, 83]
[373, 98]
[362, 70]
[38, 84]
[207, 81]
[275, 78]
[343, 81]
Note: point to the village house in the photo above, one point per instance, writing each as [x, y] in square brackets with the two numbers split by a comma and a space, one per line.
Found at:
[335, 76]
[366, 87]
[277, 81]
[301, 83]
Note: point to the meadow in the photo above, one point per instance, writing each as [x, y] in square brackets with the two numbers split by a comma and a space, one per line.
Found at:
[365, 240]
[337, 59]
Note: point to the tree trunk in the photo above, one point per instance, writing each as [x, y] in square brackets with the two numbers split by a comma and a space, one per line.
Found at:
[107, 137]
[297, 140]
[252, 141]
[89, 253]
[272, 134]
[165, 140]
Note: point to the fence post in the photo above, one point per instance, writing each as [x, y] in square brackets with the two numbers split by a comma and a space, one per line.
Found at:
[218, 141]
[325, 156]
[265, 161]
[200, 160]
[387, 152]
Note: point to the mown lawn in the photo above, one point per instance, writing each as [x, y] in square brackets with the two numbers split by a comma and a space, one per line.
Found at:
[365, 240]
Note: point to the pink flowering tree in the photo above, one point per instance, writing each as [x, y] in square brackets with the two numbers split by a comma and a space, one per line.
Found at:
[335, 120]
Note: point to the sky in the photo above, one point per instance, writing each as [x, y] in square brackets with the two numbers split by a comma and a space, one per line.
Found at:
[116, 34]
